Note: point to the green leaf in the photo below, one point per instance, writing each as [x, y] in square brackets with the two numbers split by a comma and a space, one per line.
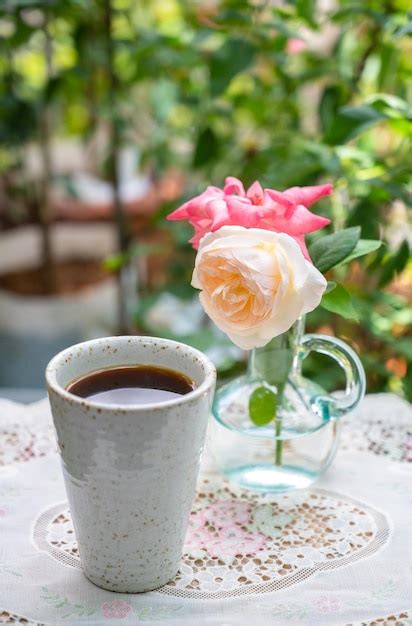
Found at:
[361, 118]
[364, 246]
[114, 262]
[403, 346]
[407, 383]
[349, 121]
[233, 57]
[361, 114]
[206, 147]
[339, 301]
[395, 264]
[17, 120]
[330, 250]
[333, 97]
[262, 406]
[391, 106]
[405, 30]
[330, 286]
[307, 10]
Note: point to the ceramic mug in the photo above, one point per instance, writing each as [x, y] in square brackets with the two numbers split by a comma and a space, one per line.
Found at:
[130, 470]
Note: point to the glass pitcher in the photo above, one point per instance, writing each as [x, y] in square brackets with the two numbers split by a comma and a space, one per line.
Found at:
[294, 449]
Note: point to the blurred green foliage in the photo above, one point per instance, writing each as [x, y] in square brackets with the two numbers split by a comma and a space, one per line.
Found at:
[283, 92]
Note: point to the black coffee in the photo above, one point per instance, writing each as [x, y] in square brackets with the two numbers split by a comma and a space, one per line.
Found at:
[132, 384]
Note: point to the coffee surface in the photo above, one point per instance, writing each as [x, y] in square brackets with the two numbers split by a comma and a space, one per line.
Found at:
[132, 384]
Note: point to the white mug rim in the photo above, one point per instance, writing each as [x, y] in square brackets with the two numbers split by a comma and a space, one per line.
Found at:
[58, 361]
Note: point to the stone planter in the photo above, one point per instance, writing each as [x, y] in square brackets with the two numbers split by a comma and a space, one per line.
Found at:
[34, 328]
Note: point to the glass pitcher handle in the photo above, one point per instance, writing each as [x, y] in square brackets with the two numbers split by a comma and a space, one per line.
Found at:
[348, 361]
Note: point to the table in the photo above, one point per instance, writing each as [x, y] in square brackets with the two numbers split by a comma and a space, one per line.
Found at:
[337, 554]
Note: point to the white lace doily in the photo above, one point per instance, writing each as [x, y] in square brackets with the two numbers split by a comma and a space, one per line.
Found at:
[382, 426]
[243, 543]
[337, 554]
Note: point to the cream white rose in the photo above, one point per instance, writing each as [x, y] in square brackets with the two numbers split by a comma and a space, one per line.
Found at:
[254, 283]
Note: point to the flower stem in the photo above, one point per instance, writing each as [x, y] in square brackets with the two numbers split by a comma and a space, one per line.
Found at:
[271, 366]
[279, 442]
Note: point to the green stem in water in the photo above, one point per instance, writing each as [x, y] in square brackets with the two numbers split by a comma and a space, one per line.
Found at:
[279, 442]
[271, 365]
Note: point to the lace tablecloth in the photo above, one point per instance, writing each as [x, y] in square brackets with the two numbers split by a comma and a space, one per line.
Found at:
[337, 554]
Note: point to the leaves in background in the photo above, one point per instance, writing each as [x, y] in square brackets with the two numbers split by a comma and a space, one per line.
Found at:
[339, 301]
[330, 250]
[346, 122]
[407, 383]
[333, 97]
[363, 247]
[234, 56]
[18, 122]
[395, 264]
[114, 262]
[206, 148]
[307, 10]
[362, 115]
[349, 121]
[213, 86]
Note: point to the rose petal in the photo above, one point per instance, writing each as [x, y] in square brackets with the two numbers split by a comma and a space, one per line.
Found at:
[233, 185]
[219, 214]
[255, 193]
[301, 222]
[280, 198]
[308, 195]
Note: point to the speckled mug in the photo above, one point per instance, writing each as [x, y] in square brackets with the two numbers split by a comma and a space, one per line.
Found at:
[130, 470]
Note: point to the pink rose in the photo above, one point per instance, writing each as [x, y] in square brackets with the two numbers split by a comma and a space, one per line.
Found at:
[269, 209]
[116, 609]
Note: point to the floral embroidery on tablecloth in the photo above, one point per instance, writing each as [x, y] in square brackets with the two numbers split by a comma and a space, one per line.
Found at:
[67, 607]
[327, 603]
[116, 609]
[241, 542]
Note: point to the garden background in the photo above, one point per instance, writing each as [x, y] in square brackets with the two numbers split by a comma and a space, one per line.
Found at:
[113, 112]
